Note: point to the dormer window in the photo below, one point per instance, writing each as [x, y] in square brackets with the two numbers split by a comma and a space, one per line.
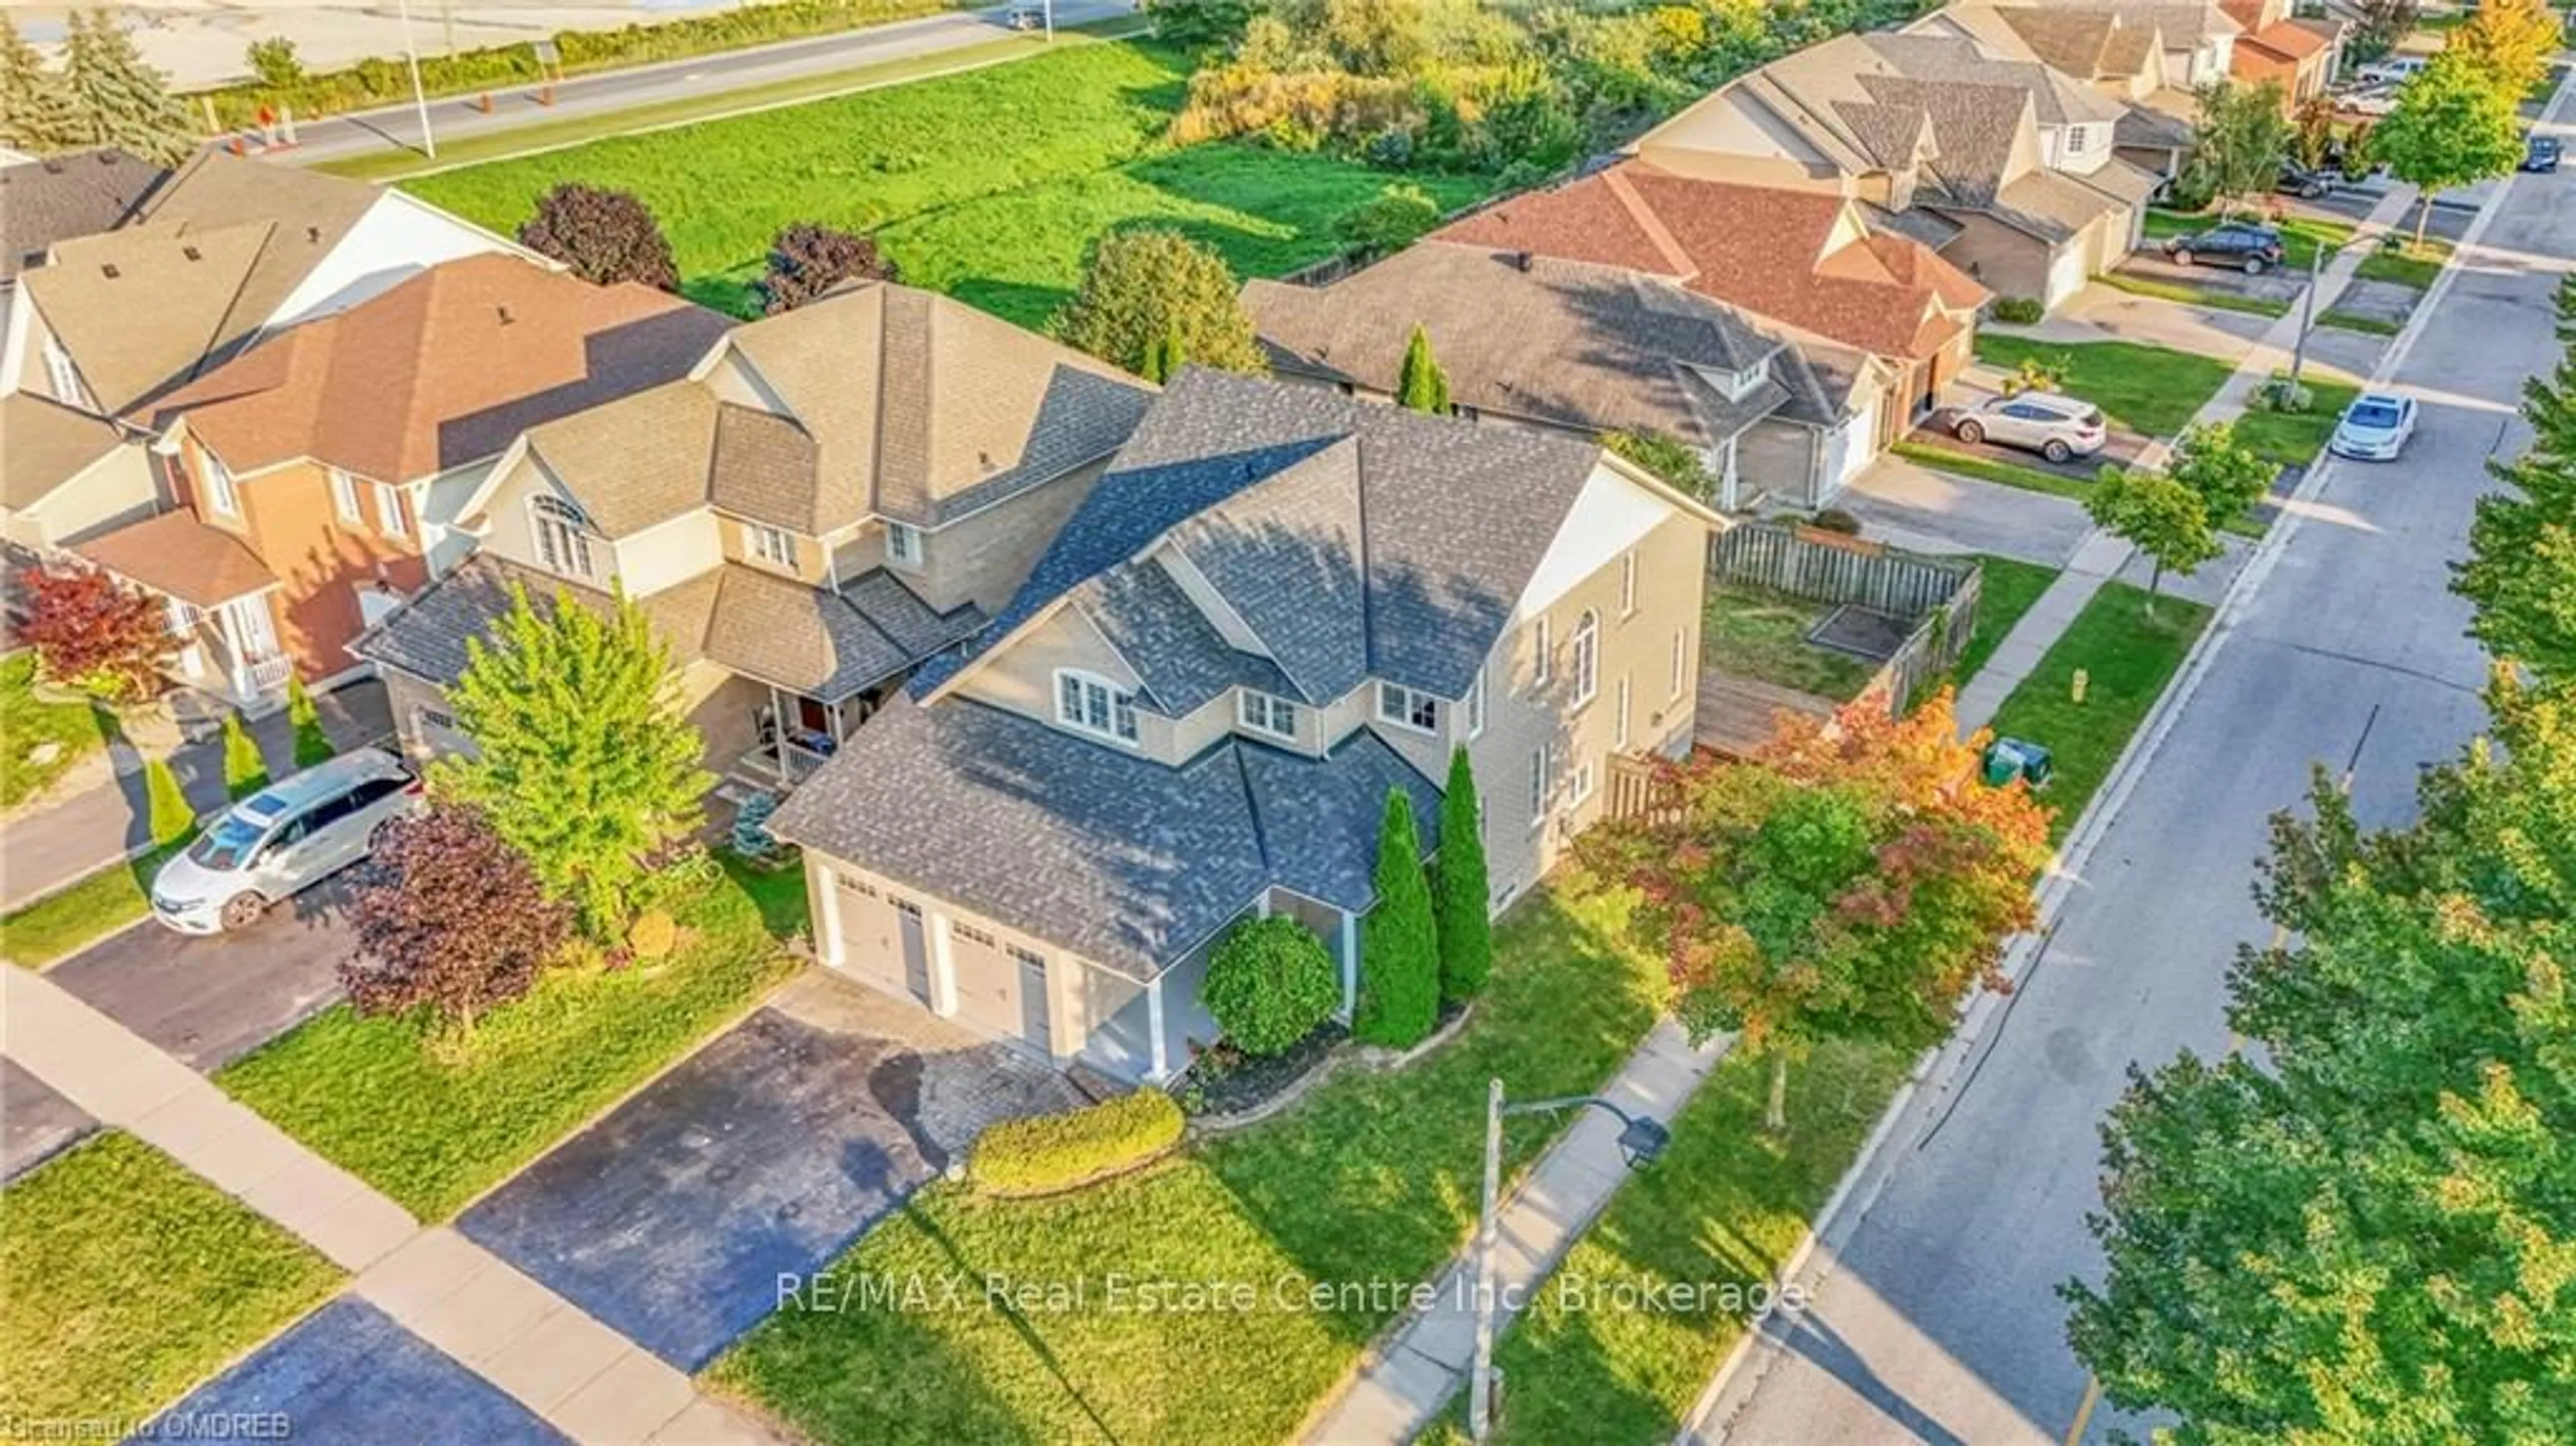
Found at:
[1094, 705]
[1267, 714]
[562, 535]
[1408, 708]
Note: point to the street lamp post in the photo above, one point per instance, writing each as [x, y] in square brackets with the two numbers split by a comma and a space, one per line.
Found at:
[2308, 295]
[1641, 1141]
[419, 96]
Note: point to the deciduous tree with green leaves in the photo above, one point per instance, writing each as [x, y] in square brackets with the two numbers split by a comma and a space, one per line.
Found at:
[1463, 905]
[2161, 517]
[1399, 941]
[1423, 384]
[2512, 41]
[2238, 146]
[118, 100]
[1852, 880]
[2454, 123]
[583, 761]
[2228, 476]
[2521, 567]
[1151, 285]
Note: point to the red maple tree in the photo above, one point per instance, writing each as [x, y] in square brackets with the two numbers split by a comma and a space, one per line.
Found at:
[92, 632]
[449, 919]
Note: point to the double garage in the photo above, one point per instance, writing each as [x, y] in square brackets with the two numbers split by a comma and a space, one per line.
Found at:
[895, 942]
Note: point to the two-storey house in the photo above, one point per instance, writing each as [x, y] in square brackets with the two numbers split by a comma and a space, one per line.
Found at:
[826, 498]
[2118, 52]
[1277, 608]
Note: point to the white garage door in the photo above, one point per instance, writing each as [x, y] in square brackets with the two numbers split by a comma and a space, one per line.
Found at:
[883, 938]
[2066, 272]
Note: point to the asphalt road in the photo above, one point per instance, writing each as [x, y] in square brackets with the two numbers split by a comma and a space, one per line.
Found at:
[1936, 1318]
[454, 117]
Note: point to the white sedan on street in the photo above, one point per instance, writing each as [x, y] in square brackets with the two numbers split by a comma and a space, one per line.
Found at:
[2374, 428]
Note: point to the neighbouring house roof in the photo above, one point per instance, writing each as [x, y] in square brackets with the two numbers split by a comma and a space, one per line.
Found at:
[1758, 248]
[44, 444]
[2077, 42]
[445, 368]
[2288, 41]
[889, 401]
[2129, 184]
[53, 199]
[176, 555]
[1571, 342]
[2161, 122]
[2183, 26]
[2052, 205]
[2057, 98]
[1126, 861]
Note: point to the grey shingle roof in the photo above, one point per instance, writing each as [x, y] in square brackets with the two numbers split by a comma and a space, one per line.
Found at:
[1123, 860]
[428, 637]
[1285, 555]
[59, 197]
[1974, 126]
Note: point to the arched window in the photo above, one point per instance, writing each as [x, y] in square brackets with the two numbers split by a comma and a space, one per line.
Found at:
[1095, 705]
[563, 535]
[1587, 656]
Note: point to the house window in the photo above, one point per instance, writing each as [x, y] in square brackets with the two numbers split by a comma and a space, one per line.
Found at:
[1539, 762]
[1476, 706]
[220, 492]
[903, 544]
[390, 516]
[1543, 664]
[2074, 140]
[1581, 786]
[344, 495]
[563, 537]
[1681, 640]
[773, 545]
[1619, 717]
[1587, 657]
[1408, 708]
[1263, 713]
[1095, 706]
[1627, 584]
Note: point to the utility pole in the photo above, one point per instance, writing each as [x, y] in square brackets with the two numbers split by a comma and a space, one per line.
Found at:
[419, 96]
[2307, 311]
[1480, 1386]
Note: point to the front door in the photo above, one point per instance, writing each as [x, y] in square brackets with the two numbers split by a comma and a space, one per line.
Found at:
[916, 949]
[1035, 1025]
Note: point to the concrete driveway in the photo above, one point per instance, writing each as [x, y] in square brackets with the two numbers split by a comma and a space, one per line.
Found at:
[34, 1121]
[348, 1372]
[1925, 510]
[208, 1001]
[765, 1154]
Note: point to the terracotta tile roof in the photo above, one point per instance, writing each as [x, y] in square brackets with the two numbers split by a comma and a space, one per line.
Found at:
[444, 369]
[176, 555]
[45, 444]
[1754, 247]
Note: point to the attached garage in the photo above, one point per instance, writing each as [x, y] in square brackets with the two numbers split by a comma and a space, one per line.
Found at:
[1001, 988]
[884, 937]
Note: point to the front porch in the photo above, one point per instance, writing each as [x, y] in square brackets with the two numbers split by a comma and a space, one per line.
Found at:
[221, 601]
[795, 734]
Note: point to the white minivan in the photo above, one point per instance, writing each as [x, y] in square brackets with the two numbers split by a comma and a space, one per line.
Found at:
[281, 840]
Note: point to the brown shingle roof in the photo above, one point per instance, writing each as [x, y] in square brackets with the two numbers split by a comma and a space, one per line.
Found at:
[140, 309]
[177, 555]
[44, 444]
[444, 369]
[59, 197]
[2287, 39]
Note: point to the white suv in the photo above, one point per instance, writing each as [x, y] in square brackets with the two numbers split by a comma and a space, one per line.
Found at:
[2056, 427]
[281, 840]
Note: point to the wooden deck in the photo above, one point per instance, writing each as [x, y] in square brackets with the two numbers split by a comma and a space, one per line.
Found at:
[1739, 714]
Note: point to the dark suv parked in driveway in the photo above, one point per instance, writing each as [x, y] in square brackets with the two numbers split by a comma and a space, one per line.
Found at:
[2248, 248]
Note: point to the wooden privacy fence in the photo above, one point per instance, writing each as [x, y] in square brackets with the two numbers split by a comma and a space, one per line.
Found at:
[1830, 567]
[1933, 648]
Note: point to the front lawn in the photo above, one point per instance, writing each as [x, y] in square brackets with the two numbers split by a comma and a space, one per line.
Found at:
[39, 740]
[1371, 1180]
[2163, 289]
[2129, 657]
[79, 914]
[2408, 265]
[2357, 321]
[1609, 1352]
[2010, 588]
[2153, 390]
[433, 1128]
[988, 185]
[2293, 439]
[1754, 633]
[1993, 469]
[129, 1280]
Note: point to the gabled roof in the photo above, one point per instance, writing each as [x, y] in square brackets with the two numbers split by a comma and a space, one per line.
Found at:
[53, 199]
[2291, 41]
[44, 444]
[446, 368]
[1571, 342]
[2183, 26]
[179, 556]
[1368, 540]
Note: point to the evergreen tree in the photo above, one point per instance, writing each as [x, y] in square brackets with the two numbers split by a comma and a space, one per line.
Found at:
[165, 804]
[1466, 922]
[312, 745]
[2521, 567]
[583, 760]
[1399, 946]
[1422, 385]
[35, 113]
[117, 99]
[245, 772]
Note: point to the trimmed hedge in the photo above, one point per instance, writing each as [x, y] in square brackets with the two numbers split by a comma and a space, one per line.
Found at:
[382, 80]
[2019, 310]
[1049, 1154]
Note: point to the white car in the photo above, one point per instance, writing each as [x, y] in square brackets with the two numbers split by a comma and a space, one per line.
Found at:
[2396, 70]
[281, 840]
[2374, 428]
[2055, 426]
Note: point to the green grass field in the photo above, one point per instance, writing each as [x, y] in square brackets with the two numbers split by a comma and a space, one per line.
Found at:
[72, 918]
[2190, 295]
[2152, 390]
[2293, 439]
[1758, 634]
[28, 724]
[2008, 590]
[990, 185]
[1993, 469]
[1370, 1178]
[2128, 657]
[129, 1280]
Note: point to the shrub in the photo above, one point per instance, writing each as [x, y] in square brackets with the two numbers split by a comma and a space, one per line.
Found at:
[808, 260]
[1396, 218]
[1151, 285]
[653, 935]
[2019, 310]
[1835, 519]
[604, 236]
[312, 745]
[1046, 1154]
[245, 772]
[1270, 984]
[1399, 942]
[1675, 461]
[165, 803]
[274, 61]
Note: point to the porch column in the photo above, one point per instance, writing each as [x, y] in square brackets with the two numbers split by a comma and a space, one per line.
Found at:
[1162, 1069]
[236, 664]
[1350, 965]
[778, 728]
[943, 968]
[823, 897]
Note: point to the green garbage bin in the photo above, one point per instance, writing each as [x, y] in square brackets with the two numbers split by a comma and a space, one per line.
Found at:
[2011, 758]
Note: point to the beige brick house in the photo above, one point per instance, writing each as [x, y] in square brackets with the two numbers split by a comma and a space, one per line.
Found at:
[1277, 606]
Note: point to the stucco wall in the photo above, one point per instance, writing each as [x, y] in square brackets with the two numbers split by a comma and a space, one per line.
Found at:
[111, 492]
[984, 557]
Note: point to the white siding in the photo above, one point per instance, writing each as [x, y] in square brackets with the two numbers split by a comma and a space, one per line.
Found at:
[396, 238]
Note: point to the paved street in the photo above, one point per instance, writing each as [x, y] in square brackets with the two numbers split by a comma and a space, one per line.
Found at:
[454, 117]
[1935, 1319]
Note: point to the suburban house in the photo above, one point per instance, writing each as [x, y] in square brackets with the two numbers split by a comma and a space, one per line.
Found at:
[1277, 609]
[2008, 168]
[2199, 39]
[2118, 53]
[65, 475]
[824, 499]
[48, 200]
[318, 473]
[2301, 55]
[1590, 349]
[1808, 261]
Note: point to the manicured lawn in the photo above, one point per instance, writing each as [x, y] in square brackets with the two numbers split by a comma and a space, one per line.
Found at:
[2152, 390]
[1758, 634]
[779, 895]
[2355, 321]
[2190, 295]
[1372, 1178]
[30, 726]
[2128, 657]
[989, 185]
[129, 1280]
[433, 1126]
[2408, 265]
[2293, 439]
[1592, 1360]
[68, 919]
[1989, 469]
[2009, 589]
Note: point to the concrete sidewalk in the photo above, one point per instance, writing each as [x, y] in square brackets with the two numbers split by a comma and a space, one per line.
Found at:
[590, 1382]
[1410, 1375]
